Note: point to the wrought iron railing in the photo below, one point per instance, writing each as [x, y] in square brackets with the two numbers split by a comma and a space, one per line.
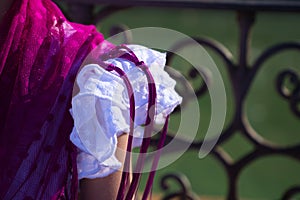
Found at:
[241, 74]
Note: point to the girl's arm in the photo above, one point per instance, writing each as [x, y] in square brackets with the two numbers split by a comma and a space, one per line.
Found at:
[107, 187]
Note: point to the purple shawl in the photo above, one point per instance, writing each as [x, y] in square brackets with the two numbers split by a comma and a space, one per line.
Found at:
[39, 57]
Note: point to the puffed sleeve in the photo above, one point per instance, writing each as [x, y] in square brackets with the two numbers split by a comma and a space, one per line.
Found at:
[101, 109]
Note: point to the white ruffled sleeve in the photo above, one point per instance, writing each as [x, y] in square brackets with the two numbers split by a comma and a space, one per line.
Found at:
[101, 109]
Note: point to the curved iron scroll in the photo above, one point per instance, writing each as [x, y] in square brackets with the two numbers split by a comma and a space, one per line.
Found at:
[185, 189]
[292, 96]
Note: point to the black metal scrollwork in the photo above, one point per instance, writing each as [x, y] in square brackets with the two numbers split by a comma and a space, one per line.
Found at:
[241, 77]
[185, 190]
[293, 94]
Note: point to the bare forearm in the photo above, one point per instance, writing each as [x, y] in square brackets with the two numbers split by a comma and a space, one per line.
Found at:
[107, 187]
[100, 188]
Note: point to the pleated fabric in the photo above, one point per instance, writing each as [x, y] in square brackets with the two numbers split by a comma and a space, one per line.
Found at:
[40, 55]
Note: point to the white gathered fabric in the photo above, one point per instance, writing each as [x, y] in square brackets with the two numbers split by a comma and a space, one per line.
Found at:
[101, 109]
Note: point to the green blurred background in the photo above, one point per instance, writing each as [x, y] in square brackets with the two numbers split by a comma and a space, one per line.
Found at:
[268, 113]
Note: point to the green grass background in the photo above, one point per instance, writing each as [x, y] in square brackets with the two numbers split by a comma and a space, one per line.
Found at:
[269, 114]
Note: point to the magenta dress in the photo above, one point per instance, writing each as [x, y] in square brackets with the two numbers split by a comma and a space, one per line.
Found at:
[40, 55]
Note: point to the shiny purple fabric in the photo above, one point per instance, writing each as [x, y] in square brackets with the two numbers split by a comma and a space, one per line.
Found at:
[40, 55]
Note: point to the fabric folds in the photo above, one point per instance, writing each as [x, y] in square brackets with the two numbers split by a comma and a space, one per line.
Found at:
[101, 109]
[40, 54]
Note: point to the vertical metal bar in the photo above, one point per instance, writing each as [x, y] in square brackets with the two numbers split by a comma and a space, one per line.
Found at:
[232, 186]
[245, 20]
